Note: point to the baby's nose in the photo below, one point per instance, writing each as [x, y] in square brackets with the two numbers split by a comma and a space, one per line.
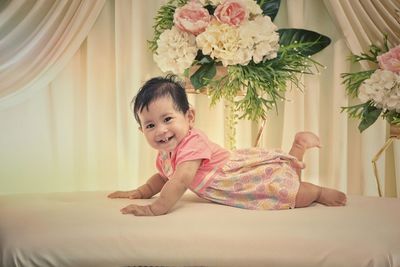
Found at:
[162, 129]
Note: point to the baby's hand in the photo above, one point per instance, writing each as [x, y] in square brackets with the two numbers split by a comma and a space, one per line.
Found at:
[133, 194]
[138, 210]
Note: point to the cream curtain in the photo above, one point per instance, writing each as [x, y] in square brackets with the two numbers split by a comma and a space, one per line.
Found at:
[77, 133]
[363, 22]
[37, 39]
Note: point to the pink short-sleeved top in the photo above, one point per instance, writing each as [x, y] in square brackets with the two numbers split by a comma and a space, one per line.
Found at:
[194, 146]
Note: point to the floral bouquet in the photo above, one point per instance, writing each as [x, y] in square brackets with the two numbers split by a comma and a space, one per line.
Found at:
[378, 89]
[193, 38]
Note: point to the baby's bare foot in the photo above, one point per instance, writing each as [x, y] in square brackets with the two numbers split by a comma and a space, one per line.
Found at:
[306, 140]
[332, 197]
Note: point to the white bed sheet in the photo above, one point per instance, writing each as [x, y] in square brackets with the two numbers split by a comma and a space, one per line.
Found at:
[87, 229]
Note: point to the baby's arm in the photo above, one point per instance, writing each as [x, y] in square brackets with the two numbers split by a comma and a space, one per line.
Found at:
[153, 186]
[170, 193]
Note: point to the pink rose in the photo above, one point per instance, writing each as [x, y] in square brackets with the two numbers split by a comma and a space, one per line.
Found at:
[192, 18]
[231, 12]
[390, 60]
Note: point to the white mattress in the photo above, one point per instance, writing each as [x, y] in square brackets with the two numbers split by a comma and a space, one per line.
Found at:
[87, 229]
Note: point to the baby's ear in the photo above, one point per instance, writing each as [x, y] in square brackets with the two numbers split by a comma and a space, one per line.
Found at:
[191, 115]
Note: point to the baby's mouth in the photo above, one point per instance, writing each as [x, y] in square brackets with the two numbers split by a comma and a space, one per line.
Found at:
[165, 140]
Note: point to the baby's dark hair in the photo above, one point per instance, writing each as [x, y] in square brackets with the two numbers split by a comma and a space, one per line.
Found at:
[156, 88]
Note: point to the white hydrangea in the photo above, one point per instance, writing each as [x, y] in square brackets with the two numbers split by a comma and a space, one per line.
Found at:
[383, 88]
[176, 51]
[259, 36]
[256, 39]
[221, 42]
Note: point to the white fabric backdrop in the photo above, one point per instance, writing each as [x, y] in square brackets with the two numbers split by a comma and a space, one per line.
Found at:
[37, 39]
[77, 132]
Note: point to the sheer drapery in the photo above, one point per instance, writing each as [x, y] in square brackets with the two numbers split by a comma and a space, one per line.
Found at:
[77, 132]
[364, 22]
[37, 40]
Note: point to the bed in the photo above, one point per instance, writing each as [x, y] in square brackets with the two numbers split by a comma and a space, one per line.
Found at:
[87, 229]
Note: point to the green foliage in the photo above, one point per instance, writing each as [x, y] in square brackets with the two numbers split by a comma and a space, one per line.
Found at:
[269, 7]
[315, 41]
[373, 52]
[392, 117]
[264, 84]
[366, 112]
[203, 75]
[369, 115]
[395, 121]
[352, 81]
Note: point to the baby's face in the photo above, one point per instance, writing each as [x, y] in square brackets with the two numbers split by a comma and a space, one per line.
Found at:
[163, 126]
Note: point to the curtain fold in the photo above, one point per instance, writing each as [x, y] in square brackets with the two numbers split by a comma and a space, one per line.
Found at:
[364, 22]
[37, 40]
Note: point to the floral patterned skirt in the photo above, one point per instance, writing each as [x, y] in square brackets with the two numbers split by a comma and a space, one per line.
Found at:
[255, 179]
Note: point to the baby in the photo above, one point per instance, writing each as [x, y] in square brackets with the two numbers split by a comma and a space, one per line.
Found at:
[251, 178]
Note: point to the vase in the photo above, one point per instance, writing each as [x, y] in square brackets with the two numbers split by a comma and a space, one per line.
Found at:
[394, 133]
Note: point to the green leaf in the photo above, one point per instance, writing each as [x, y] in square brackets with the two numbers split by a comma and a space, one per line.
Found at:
[203, 59]
[369, 116]
[203, 75]
[392, 117]
[353, 81]
[270, 7]
[355, 111]
[316, 42]
[373, 52]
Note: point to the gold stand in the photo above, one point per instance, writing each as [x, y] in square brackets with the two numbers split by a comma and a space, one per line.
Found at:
[229, 124]
[260, 132]
[394, 134]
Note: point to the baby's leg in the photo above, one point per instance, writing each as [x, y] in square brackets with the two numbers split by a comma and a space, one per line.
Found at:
[309, 193]
[302, 142]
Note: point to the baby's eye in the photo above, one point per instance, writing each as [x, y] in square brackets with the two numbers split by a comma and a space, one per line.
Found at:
[150, 126]
[167, 119]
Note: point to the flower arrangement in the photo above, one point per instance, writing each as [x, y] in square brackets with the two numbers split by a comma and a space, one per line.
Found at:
[377, 89]
[240, 36]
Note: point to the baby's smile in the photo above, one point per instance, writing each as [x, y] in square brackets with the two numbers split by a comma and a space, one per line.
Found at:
[165, 140]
